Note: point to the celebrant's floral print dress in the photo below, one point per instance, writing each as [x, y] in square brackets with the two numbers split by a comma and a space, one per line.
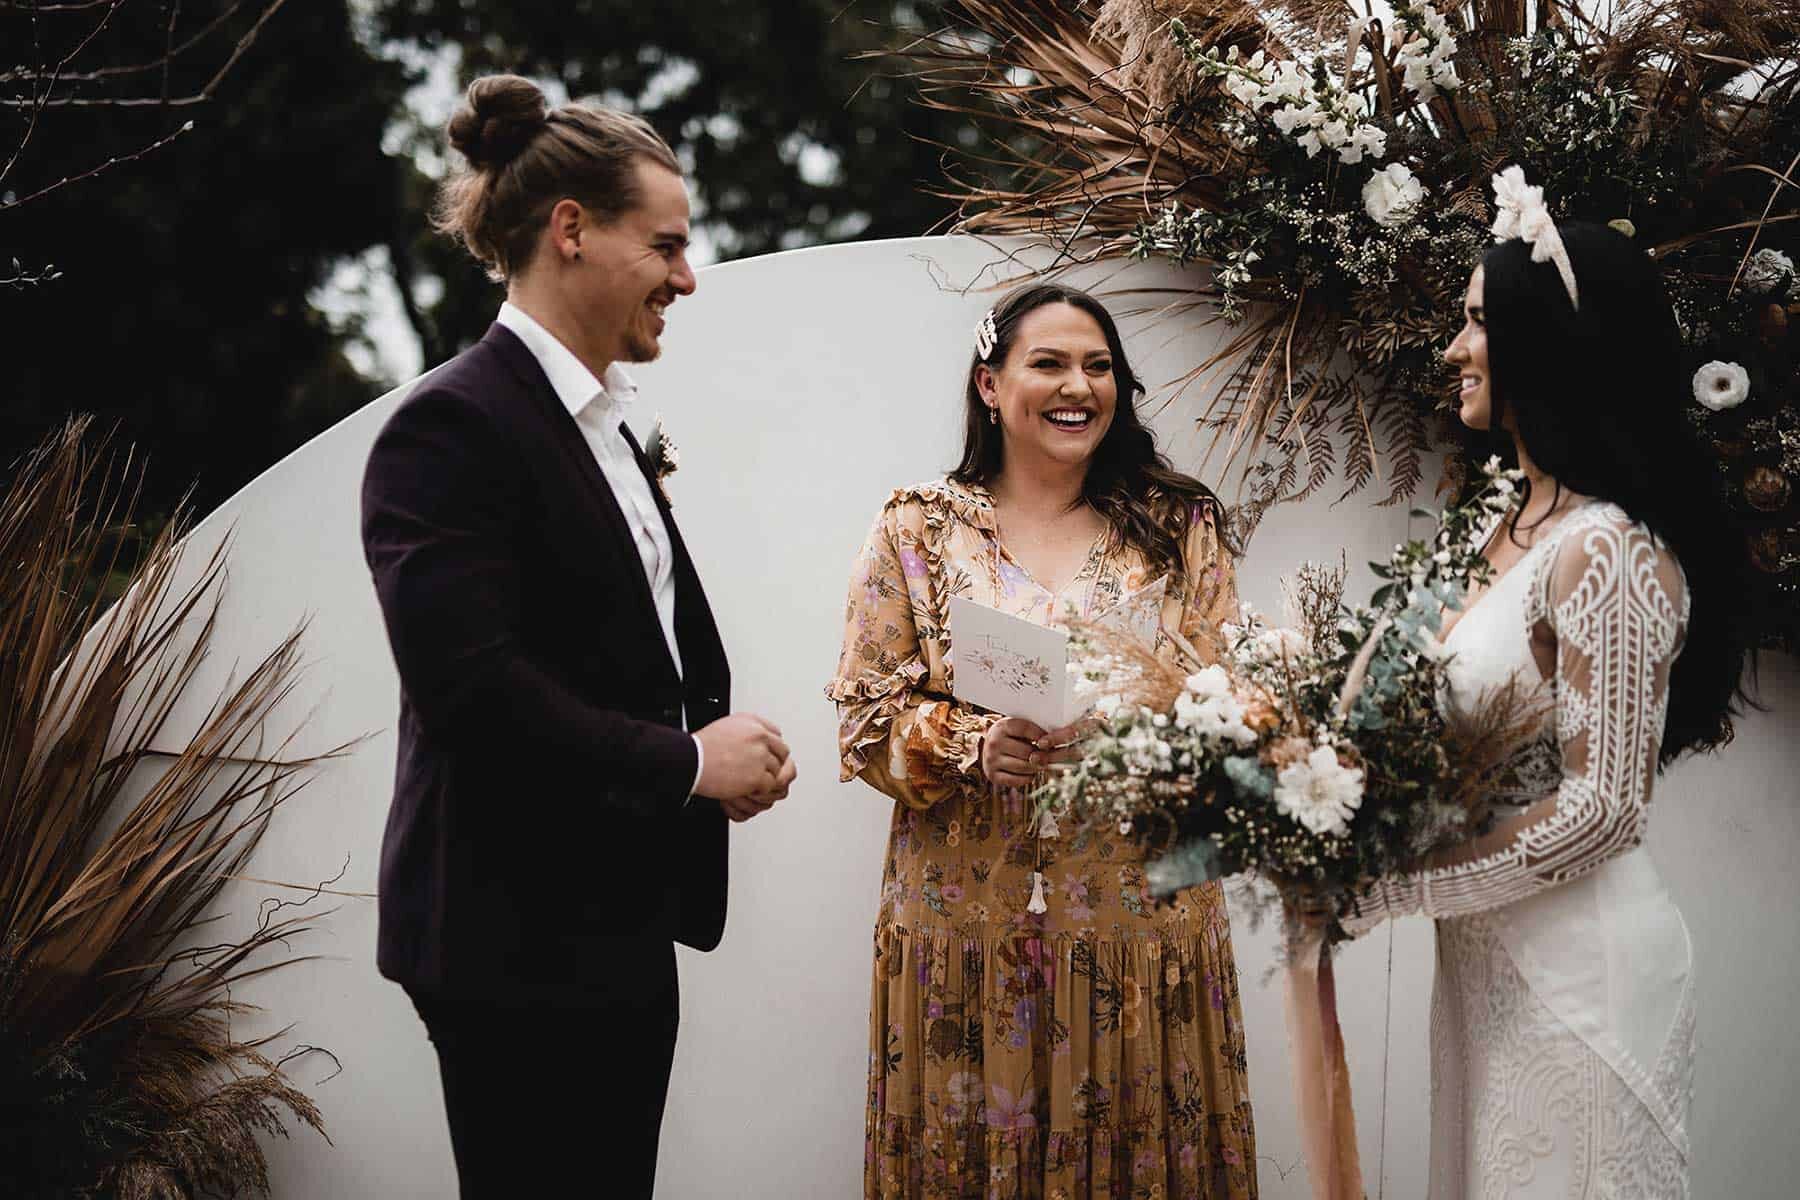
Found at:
[1094, 1049]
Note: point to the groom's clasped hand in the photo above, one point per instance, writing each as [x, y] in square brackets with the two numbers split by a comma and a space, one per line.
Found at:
[748, 766]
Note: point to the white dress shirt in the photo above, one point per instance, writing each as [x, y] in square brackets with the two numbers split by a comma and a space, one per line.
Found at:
[598, 406]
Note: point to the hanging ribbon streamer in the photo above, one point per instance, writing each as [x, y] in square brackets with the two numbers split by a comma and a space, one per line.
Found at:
[1037, 904]
[1321, 1080]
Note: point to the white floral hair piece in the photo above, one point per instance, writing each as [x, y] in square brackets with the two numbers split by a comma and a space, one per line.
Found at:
[986, 336]
[1520, 212]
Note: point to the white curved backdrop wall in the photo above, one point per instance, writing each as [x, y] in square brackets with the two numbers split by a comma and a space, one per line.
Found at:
[801, 388]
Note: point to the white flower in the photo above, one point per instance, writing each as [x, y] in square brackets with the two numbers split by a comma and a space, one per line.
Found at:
[1276, 644]
[1392, 196]
[1220, 717]
[1209, 682]
[1320, 792]
[1418, 77]
[1144, 752]
[1108, 706]
[1286, 118]
[1309, 142]
[1370, 140]
[1767, 270]
[1336, 133]
[1721, 385]
[1513, 198]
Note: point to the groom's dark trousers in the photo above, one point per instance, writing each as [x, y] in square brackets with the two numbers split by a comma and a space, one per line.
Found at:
[542, 853]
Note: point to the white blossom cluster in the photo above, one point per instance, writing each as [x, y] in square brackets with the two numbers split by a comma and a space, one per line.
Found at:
[1144, 751]
[1209, 708]
[1257, 647]
[1312, 108]
[1427, 48]
[1100, 681]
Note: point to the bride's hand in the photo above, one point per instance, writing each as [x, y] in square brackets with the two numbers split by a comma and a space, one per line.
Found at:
[1009, 753]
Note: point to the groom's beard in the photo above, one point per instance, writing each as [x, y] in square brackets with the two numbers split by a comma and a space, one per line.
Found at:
[641, 343]
[641, 348]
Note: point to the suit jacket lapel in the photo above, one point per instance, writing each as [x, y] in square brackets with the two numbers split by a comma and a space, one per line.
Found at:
[579, 458]
[695, 629]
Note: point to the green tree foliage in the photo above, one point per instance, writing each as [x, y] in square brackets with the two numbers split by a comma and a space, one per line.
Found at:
[182, 311]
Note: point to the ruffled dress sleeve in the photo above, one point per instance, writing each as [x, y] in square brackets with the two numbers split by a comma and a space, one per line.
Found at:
[1617, 603]
[1210, 598]
[899, 728]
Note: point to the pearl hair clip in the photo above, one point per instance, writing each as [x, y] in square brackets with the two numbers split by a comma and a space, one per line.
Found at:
[1520, 212]
[986, 337]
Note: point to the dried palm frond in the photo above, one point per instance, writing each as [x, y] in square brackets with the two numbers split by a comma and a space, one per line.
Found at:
[120, 1074]
[1485, 743]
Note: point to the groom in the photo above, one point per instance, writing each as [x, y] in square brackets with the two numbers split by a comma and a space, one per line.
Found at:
[555, 828]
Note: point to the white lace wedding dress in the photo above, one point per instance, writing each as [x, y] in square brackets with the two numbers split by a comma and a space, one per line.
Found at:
[1563, 1015]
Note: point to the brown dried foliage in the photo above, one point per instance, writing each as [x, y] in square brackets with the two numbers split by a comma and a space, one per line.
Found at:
[1085, 107]
[109, 976]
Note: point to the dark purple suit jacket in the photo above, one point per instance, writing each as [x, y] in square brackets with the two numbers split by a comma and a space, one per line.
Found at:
[540, 834]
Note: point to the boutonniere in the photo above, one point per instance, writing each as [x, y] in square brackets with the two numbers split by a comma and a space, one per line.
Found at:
[664, 458]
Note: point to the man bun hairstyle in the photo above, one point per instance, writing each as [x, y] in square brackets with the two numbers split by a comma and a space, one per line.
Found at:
[498, 117]
[523, 157]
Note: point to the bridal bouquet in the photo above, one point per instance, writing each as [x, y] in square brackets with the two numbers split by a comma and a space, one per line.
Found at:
[1314, 757]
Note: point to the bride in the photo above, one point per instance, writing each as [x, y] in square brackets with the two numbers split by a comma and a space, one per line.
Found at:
[1563, 1012]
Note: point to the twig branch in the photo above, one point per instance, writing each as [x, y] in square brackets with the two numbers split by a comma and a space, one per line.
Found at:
[43, 84]
[114, 161]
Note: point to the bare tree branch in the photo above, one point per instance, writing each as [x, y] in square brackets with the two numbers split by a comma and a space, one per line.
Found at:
[45, 87]
[162, 63]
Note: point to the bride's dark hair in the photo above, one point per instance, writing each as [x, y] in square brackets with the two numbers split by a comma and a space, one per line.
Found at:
[1598, 394]
[1147, 504]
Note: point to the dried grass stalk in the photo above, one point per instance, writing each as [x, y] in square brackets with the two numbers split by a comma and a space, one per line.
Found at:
[122, 1074]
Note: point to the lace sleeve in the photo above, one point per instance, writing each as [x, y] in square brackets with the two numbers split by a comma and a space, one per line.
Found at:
[896, 730]
[1617, 604]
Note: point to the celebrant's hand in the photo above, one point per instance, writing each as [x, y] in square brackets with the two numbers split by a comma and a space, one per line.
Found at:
[1007, 750]
[1061, 745]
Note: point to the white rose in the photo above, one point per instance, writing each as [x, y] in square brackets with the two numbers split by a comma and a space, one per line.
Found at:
[1721, 385]
[1392, 196]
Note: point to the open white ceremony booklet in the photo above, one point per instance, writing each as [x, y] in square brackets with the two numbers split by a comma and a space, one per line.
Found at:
[1011, 666]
